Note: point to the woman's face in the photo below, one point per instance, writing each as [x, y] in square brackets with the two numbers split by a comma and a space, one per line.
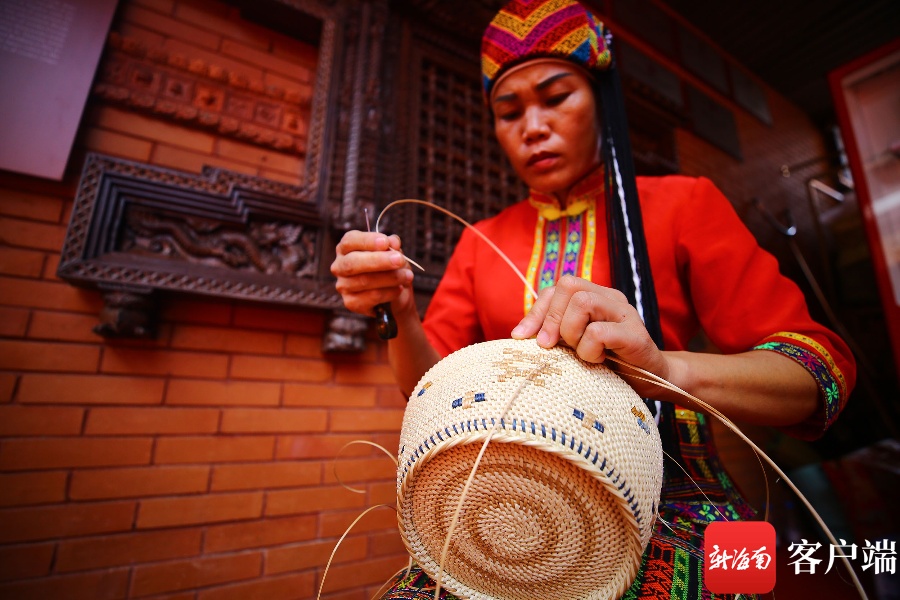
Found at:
[546, 122]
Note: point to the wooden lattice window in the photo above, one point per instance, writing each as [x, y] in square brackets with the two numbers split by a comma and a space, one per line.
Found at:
[455, 160]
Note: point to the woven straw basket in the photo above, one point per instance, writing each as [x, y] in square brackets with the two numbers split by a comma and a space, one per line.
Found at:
[564, 500]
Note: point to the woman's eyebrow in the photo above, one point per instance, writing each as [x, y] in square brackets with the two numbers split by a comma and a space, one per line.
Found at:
[540, 86]
[547, 82]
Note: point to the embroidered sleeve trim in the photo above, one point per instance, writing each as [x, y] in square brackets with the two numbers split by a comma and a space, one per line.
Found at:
[816, 359]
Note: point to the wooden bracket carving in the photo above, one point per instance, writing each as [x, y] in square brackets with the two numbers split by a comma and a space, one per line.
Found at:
[127, 314]
[345, 332]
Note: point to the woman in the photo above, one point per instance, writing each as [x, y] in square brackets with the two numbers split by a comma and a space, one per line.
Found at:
[552, 89]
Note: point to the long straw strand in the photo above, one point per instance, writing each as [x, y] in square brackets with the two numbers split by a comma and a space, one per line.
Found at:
[338, 545]
[389, 454]
[696, 485]
[469, 226]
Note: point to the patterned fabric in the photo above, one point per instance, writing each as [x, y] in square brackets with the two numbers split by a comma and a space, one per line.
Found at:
[813, 357]
[542, 28]
[564, 240]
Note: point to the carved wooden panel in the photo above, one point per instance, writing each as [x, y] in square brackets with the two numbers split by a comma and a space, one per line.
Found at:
[139, 229]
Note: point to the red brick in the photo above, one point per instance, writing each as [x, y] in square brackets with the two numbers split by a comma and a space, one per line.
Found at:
[31, 234]
[157, 420]
[222, 393]
[211, 508]
[185, 160]
[366, 420]
[310, 500]
[64, 520]
[295, 51]
[28, 489]
[299, 394]
[372, 353]
[89, 389]
[387, 543]
[170, 27]
[298, 557]
[153, 129]
[7, 386]
[116, 144]
[228, 339]
[272, 420]
[160, 362]
[189, 574]
[272, 475]
[279, 369]
[48, 356]
[69, 327]
[354, 372]
[375, 571]
[306, 346]
[324, 446]
[20, 262]
[383, 492]
[391, 397]
[308, 321]
[258, 156]
[63, 452]
[37, 207]
[108, 585]
[127, 549]
[262, 59]
[216, 449]
[361, 469]
[225, 22]
[257, 534]
[200, 312]
[270, 588]
[31, 293]
[51, 266]
[136, 482]
[25, 561]
[17, 420]
[336, 524]
[282, 177]
[13, 321]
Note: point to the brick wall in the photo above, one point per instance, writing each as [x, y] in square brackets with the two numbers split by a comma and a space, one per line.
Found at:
[201, 464]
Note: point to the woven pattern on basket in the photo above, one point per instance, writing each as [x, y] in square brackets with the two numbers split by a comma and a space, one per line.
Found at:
[564, 500]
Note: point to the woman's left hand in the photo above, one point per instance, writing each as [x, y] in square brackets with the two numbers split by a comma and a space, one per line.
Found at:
[593, 320]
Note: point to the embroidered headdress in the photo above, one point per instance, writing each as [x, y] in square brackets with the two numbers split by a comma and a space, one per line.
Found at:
[565, 29]
[542, 28]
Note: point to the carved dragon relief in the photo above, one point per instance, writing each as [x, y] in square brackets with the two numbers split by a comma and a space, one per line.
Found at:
[265, 247]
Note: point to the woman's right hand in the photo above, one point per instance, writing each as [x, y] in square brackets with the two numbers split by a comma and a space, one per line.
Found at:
[370, 270]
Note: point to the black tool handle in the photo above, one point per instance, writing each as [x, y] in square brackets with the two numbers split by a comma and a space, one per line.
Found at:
[385, 324]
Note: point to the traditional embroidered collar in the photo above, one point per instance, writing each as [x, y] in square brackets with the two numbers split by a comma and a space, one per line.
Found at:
[582, 196]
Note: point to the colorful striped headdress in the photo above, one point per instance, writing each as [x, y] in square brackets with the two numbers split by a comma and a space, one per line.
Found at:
[525, 29]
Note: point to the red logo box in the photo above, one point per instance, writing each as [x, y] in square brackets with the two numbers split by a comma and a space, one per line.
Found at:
[739, 557]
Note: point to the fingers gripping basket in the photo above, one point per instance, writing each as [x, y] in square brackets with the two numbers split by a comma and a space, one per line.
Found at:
[564, 500]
